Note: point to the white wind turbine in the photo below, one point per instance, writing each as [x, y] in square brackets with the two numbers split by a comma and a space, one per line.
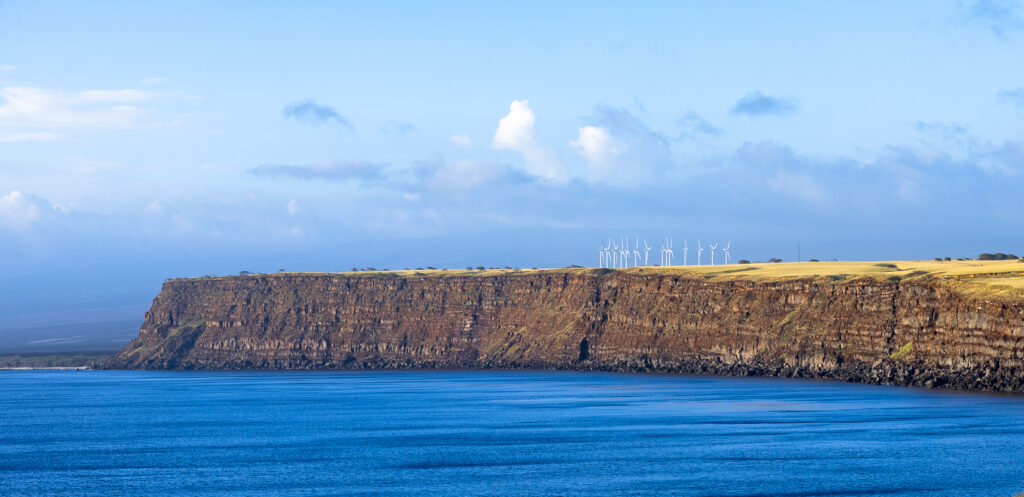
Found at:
[669, 254]
[686, 249]
[608, 254]
[600, 255]
[647, 251]
[713, 249]
[663, 252]
[700, 250]
[615, 254]
[625, 253]
[726, 250]
[636, 253]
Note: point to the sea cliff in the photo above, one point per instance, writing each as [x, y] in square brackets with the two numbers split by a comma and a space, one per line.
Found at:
[885, 330]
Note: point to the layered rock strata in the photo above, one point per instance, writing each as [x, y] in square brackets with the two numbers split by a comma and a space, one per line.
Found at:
[871, 330]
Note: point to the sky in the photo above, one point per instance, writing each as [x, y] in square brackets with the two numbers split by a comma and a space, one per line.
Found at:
[141, 141]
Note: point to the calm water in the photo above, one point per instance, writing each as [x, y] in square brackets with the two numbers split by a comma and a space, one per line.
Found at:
[497, 433]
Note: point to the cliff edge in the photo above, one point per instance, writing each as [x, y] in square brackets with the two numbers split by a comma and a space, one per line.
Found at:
[902, 328]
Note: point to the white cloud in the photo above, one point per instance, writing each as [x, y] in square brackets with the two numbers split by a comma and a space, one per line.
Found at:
[597, 146]
[461, 140]
[516, 133]
[30, 137]
[26, 107]
[20, 210]
[620, 149]
[292, 207]
[7, 68]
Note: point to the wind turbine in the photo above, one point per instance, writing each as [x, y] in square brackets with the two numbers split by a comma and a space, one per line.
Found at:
[669, 253]
[700, 250]
[713, 249]
[636, 253]
[625, 253]
[647, 251]
[685, 250]
[600, 255]
[615, 254]
[726, 250]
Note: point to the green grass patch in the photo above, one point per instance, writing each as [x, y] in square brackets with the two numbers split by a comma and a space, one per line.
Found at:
[904, 350]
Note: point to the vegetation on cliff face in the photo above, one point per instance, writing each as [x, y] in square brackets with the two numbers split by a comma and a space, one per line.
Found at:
[908, 324]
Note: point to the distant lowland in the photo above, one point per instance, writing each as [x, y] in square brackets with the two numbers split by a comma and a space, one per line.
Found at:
[955, 324]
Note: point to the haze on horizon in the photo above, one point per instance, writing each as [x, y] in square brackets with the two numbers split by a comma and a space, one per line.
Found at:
[145, 141]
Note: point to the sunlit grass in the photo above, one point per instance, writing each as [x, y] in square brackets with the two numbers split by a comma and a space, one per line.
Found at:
[973, 276]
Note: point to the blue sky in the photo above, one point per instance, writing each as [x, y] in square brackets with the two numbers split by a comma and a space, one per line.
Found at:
[140, 141]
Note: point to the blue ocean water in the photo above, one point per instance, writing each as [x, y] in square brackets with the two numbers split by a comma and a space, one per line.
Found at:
[113, 433]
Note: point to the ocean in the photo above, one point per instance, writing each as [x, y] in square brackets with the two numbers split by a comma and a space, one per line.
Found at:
[434, 433]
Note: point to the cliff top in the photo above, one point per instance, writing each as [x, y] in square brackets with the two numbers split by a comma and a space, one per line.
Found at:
[971, 276]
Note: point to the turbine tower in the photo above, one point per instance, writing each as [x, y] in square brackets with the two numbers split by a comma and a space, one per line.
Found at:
[647, 251]
[615, 253]
[685, 254]
[636, 253]
[624, 253]
[608, 254]
[669, 254]
[700, 250]
[726, 250]
[713, 249]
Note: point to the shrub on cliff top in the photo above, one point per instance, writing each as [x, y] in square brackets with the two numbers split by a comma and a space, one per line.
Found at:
[998, 256]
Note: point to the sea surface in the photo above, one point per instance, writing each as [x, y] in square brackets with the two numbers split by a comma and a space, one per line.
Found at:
[435, 433]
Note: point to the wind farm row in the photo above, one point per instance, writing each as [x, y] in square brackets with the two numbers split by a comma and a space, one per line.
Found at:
[617, 254]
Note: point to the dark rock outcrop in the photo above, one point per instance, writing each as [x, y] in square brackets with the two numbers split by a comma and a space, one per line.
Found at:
[867, 330]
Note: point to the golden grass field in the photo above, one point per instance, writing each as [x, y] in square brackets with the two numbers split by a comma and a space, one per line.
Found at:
[971, 276]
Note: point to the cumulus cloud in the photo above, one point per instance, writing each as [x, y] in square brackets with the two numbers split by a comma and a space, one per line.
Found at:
[365, 172]
[620, 148]
[292, 208]
[461, 140]
[26, 107]
[757, 104]
[314, 113]
[21, 210]
[516, 133]
[595, 144]
[999, 16]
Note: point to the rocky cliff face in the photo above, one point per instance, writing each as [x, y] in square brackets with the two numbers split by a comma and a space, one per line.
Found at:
[863, 329]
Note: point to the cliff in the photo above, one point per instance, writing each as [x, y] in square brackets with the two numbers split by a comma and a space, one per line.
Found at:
[902, 329]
